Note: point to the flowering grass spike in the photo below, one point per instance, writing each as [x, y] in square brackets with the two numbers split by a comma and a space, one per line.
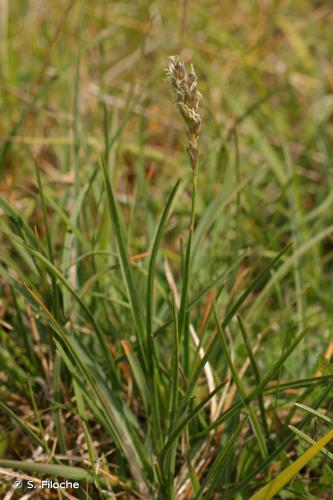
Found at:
[188, 97]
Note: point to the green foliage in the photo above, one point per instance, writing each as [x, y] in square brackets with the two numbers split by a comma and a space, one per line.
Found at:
[166, 331]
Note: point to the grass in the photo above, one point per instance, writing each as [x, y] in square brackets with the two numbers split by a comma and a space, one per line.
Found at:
[166, 330]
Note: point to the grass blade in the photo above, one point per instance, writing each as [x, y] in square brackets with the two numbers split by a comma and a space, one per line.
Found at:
[252, 416]
[233, 310]
[22, 425]
[256, 374]
[311, 441]
[125, 267]
[54, 470]
[215, 470]
[235, 408]
[152, 260]
[316, 413]
[271, 489]
[280, 449]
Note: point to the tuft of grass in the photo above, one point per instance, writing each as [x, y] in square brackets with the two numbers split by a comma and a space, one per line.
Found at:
[165, 311]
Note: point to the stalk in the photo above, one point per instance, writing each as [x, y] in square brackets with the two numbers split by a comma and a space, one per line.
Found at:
[187, 96]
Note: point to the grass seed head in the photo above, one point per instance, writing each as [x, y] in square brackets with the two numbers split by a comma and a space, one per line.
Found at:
[184, 84]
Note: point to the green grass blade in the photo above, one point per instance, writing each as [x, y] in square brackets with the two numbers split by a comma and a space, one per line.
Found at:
[252, 416]
[316, 413]
[53, 470]
[271, 489]
[152, 261]
[113, 416]
[231, 313]
[56, 273]
[186, 275]
[170, 460]
[256, 374]
[191, 304]
[176, 433]
[284, 268]
[280, 449]
[125, 267]
[311, 441]
[237, 406]
[264, 381]
[137, 374]
[221, 459]
[56, 383]
[22, 425]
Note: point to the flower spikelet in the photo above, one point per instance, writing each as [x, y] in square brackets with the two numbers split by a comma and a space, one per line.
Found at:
[187, 96]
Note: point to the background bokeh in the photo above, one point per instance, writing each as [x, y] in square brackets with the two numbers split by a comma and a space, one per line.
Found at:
[266, 76]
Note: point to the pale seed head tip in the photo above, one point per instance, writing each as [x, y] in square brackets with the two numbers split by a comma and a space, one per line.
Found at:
[187, 98]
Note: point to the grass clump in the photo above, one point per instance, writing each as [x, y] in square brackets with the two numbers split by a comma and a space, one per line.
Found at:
[158, 322]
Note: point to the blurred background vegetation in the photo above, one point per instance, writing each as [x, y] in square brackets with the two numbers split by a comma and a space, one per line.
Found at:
[266, 75]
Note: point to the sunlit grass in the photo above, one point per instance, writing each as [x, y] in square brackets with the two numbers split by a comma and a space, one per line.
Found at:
[158, 322]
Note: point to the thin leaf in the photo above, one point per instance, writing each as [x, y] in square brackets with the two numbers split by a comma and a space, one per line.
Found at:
[153, 256]
[235, 408]
[233, 310]
[221, 459]
[54, 470]
[252, 416]
[22, 425]
[315, 412]
[256, 374]
[276, 485]
[125, 266]
[277, 451]
[284, 268]
[309, 440]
